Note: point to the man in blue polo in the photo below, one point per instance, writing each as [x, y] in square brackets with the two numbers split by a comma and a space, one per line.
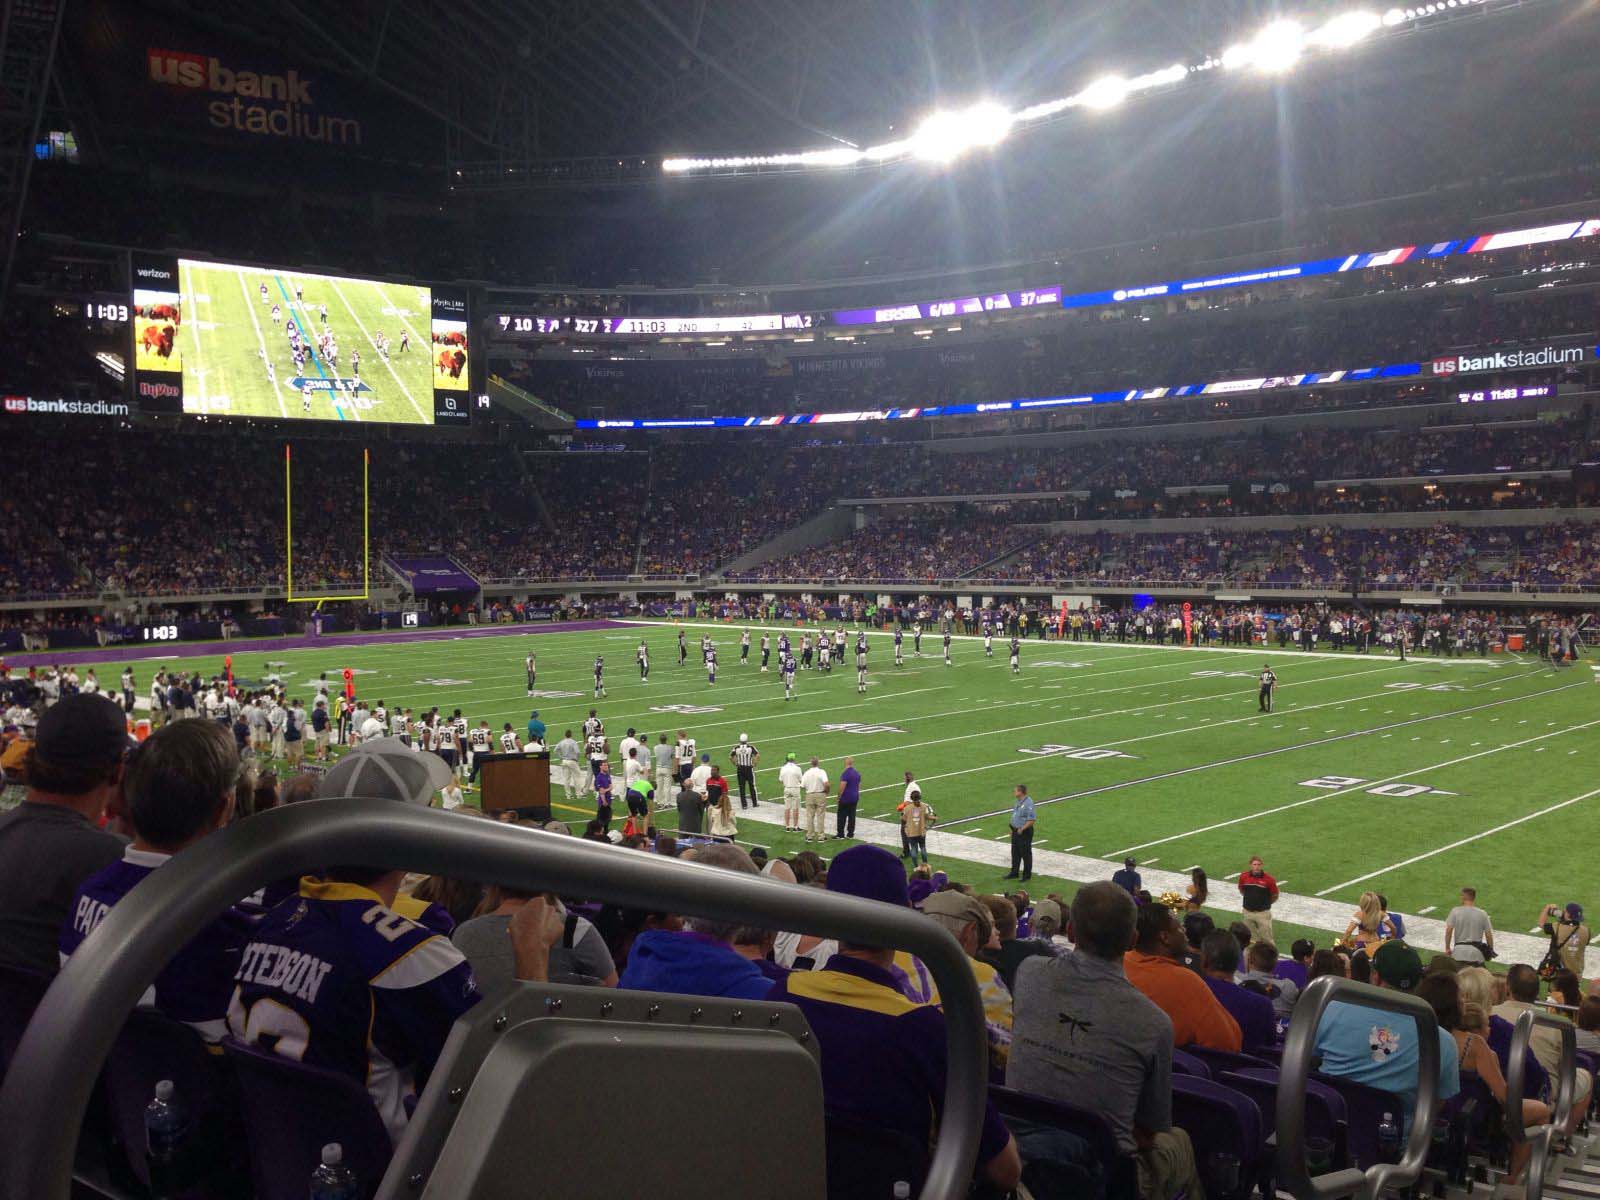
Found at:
[883, 1055]
[1022, 819]
[536, 729]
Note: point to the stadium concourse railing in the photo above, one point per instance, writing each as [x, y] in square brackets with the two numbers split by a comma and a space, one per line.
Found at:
[50, 1078]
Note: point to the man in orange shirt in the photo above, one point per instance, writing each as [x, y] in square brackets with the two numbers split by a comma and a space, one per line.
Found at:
[1198, 1018]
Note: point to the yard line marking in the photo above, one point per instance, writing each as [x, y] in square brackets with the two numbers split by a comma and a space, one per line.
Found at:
[1231, 875]
[262, 341]
[1267, 812]
[1477, 837]
[1422, 912]
[1040, 841]
[1070, 849]
[1000, 837]
[399, 383]
[1196, 867]
[1227, 762]
[1147, 862]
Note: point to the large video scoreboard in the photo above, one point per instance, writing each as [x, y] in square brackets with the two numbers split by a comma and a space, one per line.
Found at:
[225, 340]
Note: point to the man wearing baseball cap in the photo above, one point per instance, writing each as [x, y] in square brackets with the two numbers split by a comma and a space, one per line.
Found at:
[51, 842]
[883, 1055]
[337, 978]
[1380, 1048]
[971, 923]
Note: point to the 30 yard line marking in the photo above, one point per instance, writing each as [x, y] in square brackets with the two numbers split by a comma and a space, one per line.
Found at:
[1477, 837]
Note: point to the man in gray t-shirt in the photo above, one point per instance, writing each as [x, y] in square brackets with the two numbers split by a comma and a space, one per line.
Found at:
[580, 956]
[1466, 928]
[1083, 1034]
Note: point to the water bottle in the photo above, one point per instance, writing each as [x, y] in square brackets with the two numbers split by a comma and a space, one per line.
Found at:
[333, 1180]
[165, 1124]
[902, 1190]
[1388, 1139]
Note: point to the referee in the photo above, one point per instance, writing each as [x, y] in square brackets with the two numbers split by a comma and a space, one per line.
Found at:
[745, 757]
[1269, 684]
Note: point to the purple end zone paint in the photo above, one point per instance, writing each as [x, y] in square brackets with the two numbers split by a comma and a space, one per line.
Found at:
[144, 650]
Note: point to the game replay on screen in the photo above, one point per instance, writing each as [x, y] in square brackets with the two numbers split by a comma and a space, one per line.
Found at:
[243, 341]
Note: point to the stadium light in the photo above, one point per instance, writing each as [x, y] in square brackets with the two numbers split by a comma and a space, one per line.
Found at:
[945, 136]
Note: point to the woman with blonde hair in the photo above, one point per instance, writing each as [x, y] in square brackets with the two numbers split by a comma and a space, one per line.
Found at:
[1368, 929]
[722, 822]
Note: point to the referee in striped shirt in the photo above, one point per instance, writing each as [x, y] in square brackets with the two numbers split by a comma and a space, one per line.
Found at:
[745, 757]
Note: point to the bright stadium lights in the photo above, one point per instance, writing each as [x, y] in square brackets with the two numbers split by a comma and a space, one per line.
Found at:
[947, 135]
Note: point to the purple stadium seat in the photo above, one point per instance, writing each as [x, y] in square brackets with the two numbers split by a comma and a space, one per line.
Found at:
[292, 1110]
[151, 1048]
[1119, 1171]
[1364, 1107]
[1184, 1063]
[1224, 1125]
[1325, 1109]
[1223, 1060]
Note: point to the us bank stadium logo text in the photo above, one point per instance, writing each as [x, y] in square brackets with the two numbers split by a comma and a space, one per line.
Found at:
[273, 105]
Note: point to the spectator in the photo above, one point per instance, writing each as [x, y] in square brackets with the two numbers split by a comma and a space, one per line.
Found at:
[178, 789]
[1259, 891]
[1084, 1034]
[1468, 1025]
[1477, 986]
[699, 959]
[883, 1055]
[1569, 936]
[1197, 1016]
[691, 807]
[1368, 929]
[1261, 963]
[1128, 877]
[1588, 1032]
[580, 956]
[49, 844]
[1198, 890]
[1378, 1048]
[1296, 968]
[1047, 924]
[372, 994]
[1522, 981]
[1328, 962]
[970, 924]
[1195, 927]
[1253, 1011]
[1012, 949]
[723, 822]
[916, 819]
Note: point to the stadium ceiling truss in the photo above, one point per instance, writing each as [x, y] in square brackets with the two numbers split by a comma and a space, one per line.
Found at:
[590, 93]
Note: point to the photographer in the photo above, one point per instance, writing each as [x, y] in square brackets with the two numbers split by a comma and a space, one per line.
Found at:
[1569, 938]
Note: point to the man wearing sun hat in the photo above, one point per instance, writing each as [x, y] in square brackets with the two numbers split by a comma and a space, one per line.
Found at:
[337, 978]
[883, 1055]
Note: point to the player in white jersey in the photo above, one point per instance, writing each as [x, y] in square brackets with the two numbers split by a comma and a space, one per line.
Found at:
[947, 647]
[824, 655]
[744, 648]
[988, 641]
[685, 755]
[479, 742]
[642, 656]
[599, 676]
[594, 749]
[263, 293]
[533, 672]
[509, 742]
[861, 665]
[838, 645]
[305, 397]
[766, 651]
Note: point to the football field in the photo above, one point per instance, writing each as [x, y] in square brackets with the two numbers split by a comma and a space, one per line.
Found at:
[230, 338]
[1411, 779]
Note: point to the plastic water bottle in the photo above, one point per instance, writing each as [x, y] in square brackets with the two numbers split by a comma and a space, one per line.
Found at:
[1389, 1139]
[902, 1190]
[165, 1124]
[333, 1180]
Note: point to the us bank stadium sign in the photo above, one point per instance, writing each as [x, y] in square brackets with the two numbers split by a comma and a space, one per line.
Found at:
[280, 103]
[1515, 359]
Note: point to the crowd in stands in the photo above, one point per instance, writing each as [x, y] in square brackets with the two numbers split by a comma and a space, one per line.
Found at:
[1161, 983]
[922, 547]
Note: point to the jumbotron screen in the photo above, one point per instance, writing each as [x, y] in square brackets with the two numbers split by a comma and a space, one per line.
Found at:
[240, 341]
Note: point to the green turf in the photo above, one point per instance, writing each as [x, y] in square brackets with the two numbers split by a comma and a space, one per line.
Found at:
[227, 326]
[1490, 764]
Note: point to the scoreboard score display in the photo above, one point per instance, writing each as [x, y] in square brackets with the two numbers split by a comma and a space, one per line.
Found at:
[509, 324]
[226, 340]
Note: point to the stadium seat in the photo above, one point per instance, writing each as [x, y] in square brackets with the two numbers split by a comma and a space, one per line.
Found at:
[1364, 1107]
[151, 1048]
[292, 1110]
[1226, 1129]
[1325, 1110]
[1119, 1172]
[20, 993]
[865, 1162]
[1184, 1063]
[1223, 1060]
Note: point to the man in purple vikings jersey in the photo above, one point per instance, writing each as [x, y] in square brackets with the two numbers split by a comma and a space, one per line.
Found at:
[178, 789]
[337, 978]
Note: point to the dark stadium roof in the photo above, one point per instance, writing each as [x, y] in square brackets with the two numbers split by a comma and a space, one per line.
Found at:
[602, 77]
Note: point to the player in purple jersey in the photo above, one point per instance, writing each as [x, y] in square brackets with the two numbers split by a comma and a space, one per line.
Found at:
[178, 788]
[338, 978]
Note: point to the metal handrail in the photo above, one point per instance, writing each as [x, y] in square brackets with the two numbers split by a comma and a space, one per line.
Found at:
[1293, 1175]
[50, 1078]
[1539, 1139]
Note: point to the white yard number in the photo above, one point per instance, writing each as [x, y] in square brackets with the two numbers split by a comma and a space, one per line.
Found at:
[1432, 687]
[1090, 754]
[688, 710]
[1395, 791]
[858, 727]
